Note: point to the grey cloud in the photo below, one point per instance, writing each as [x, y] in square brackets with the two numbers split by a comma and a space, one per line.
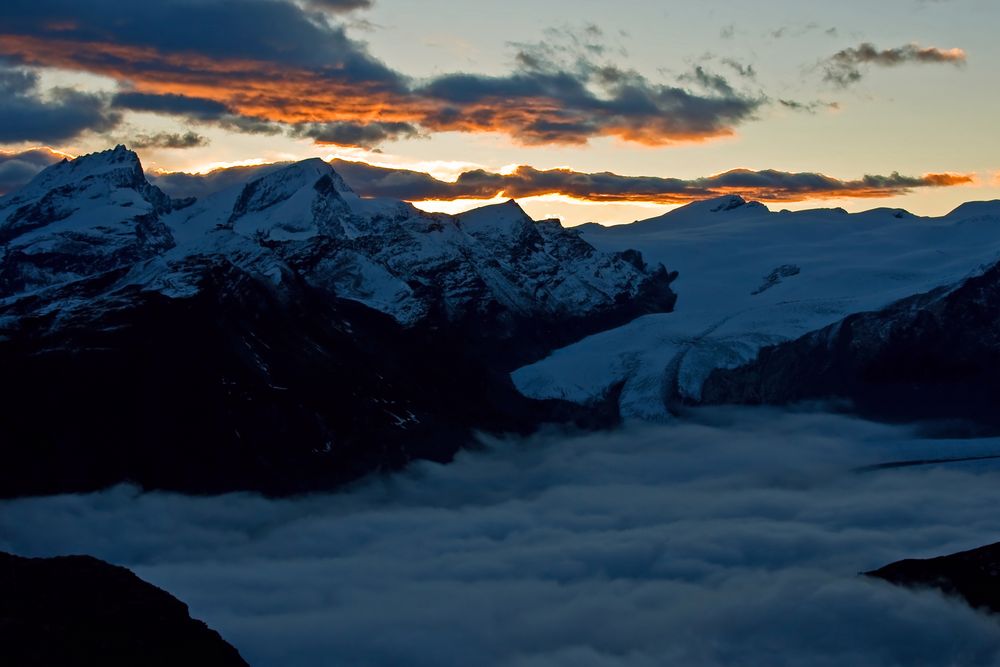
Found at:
[169, 140]
[64, 113]
[808, 107]
[844, 67]
[732, 538]
[365, 135]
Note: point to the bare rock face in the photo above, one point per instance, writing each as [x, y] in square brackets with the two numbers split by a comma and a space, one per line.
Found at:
[973, 575]
[77, 610]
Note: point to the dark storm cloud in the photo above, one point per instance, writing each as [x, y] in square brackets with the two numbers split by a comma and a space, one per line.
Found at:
[844, 67]
[62, 115]
[17, 168]
[365, 135]
[732, 538]
[269, 61]
[168, 140]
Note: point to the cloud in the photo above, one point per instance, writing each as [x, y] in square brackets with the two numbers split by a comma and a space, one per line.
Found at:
[339, 6]
[270, 61]
[767, 185]
[808, 107]
[181, 184]
[19, 167]
[169, 140]
[364, 135]
[729, 538]
[524, 181]
[28, 113]
[197, 108]
[844, 67]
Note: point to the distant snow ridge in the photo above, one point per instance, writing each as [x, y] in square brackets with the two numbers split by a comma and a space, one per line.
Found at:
[98, 213]
[749, 278]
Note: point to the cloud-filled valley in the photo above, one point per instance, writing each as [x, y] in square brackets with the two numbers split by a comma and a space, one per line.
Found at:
[734, 537]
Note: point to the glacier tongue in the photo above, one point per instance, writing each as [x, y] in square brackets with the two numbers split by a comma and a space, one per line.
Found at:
[749, 278]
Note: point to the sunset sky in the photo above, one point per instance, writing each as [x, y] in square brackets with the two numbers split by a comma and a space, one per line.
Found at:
[798, 104]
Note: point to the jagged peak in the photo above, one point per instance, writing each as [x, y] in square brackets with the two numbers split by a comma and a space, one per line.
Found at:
[119, 160]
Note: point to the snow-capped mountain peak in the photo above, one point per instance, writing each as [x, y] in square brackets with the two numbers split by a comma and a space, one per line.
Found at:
[79, 217]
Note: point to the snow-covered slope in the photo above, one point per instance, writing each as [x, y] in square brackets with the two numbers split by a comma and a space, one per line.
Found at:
[98, 213]
[749, 278]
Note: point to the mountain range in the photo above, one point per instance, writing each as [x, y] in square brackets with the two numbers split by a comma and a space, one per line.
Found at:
[283, 334]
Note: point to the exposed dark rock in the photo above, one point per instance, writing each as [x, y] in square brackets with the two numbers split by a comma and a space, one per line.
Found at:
[77, 610]
[973, 575]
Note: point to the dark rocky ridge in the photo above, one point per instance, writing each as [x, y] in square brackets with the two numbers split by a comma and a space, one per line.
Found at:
[77, 610]
[933, 356]
[973, 575]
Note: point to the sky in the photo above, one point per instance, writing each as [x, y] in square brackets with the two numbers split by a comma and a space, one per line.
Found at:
[587, 111]
[732, 538]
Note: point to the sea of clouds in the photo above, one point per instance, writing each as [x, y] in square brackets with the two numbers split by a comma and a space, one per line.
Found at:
[734, 537]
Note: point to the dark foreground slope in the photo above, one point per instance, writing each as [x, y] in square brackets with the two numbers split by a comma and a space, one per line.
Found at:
[973, 575]
[77, 610]
[930, 356]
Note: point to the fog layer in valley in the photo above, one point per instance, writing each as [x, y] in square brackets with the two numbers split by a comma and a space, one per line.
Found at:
[732, 538]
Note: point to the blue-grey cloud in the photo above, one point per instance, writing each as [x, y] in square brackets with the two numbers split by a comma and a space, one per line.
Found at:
[733, 538]
[172, 105]
[19, 167]
[64, 113]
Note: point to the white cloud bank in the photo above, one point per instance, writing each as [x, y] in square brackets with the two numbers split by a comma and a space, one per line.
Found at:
[734, 539]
